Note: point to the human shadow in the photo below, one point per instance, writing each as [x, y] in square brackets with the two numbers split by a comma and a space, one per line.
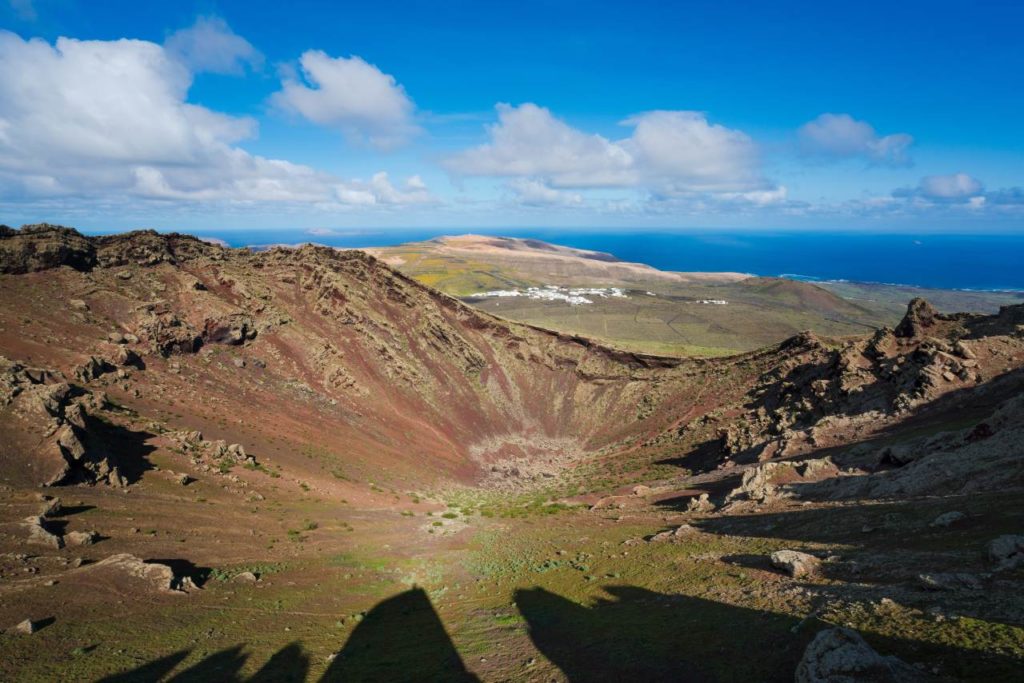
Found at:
[636, 634]
[401, 639]
[642, 635]
[647, 636]
[150, 671]
[221, 666]
[288, 664]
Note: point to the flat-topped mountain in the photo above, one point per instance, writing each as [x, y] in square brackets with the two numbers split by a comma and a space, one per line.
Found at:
[465, 264]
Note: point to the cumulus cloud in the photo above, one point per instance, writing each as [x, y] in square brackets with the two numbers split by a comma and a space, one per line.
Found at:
[92, 119]
[529, 141]
[681, 152]
[210, 45]
[669, 153]
[351, 95]
[840, 136]
[530, 192]
[953, 188]
[935, 196]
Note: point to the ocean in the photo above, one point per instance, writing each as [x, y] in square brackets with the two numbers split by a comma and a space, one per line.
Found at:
[973, 262]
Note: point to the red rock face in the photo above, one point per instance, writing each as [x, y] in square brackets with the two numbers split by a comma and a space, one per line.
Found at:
[342, 355]
[374, 366]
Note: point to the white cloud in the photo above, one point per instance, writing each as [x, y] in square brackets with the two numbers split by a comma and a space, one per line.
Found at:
[953, 188]
[842, 136]
[210, 45]
[413, 191]
[680, 152]
[351, 95]
[529, 141]
[95, 120]
[530, 192]
[669, 153]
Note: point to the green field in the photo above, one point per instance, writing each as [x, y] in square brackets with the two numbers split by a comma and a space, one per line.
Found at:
[760, 311]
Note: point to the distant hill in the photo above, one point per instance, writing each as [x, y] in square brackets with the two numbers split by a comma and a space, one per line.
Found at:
[468, 264]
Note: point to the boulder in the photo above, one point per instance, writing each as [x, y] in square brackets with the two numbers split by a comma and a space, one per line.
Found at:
[953, 581]
[27, 627]
[795, 563]
[947, 518]
[125, 357]
[678, 532]
[964, 351]
[81, 537]
[1007, 551]
[702, 503]
[93, 368]
[841, 655]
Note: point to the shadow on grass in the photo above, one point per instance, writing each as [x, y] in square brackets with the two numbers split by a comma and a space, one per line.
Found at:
[633, 635]
[647, 636]
[401, 639]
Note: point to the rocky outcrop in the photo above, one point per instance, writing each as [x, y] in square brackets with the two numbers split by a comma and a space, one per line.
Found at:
[956, 462]
[770, 481]
[232, 329]
[93, 368]
[816, 395]
[40, 534]
[920, 317]
[841, 655]
[44, 246]
[70, 449]
[155, 575]
[168, 335]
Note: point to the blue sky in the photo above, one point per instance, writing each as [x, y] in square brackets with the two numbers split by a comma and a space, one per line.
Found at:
[887, 117]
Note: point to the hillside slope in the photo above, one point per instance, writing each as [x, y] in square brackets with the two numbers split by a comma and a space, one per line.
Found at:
[271, 463]
[658, 311]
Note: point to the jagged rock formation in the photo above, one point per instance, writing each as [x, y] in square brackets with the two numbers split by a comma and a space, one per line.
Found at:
[66, 446]
[42, 247]
[817, 390]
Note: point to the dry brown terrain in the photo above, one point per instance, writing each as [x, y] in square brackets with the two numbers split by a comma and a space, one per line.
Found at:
[225, 465]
